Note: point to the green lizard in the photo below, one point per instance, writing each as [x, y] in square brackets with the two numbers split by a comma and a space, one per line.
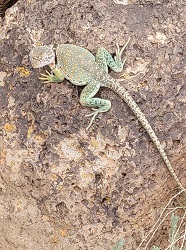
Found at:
[81, 68]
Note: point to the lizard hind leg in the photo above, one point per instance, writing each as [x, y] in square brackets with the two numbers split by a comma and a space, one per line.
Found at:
[103, 106]
[98, 105]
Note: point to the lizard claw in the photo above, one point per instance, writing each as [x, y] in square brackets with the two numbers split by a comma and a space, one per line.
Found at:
[118, 55]
[119, 52]
[124, 61]
[93, 114]
[46, 78]
[124, 47]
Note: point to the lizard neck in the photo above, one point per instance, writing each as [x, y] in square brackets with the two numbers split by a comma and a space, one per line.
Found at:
[52, 65]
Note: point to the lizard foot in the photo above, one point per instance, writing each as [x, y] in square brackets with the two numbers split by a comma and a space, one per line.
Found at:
[46, 78]
[93, 114]
[119, 52]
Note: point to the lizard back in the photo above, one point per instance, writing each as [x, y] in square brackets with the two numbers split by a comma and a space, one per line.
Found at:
[78, 64]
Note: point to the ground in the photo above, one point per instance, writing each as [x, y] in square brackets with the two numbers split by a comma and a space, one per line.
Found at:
[63, 187]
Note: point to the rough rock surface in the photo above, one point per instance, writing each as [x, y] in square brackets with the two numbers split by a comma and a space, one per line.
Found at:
[4, 5]
[62, 187]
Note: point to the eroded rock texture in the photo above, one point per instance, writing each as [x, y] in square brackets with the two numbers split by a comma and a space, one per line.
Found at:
[61, 186]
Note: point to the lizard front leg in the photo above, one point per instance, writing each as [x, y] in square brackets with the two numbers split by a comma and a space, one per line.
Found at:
[105, 60]
[98, 105]
[55, 76]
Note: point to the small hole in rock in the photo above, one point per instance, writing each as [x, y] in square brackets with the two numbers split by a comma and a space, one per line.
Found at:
[123, 174]
[98, 177]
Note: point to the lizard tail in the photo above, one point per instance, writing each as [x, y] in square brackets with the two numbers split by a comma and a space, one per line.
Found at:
[122, 92]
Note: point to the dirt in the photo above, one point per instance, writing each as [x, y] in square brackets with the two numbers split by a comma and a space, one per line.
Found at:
[63, 187]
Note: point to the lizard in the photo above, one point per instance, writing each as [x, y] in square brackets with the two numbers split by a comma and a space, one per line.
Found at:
[82, 68]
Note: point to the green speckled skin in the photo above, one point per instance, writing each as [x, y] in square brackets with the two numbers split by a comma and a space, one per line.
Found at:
[81, 68]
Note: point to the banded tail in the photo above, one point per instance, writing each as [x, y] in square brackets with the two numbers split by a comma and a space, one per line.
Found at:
[123, 93]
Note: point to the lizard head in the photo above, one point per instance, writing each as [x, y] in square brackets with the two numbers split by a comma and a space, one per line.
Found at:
[41, 56]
